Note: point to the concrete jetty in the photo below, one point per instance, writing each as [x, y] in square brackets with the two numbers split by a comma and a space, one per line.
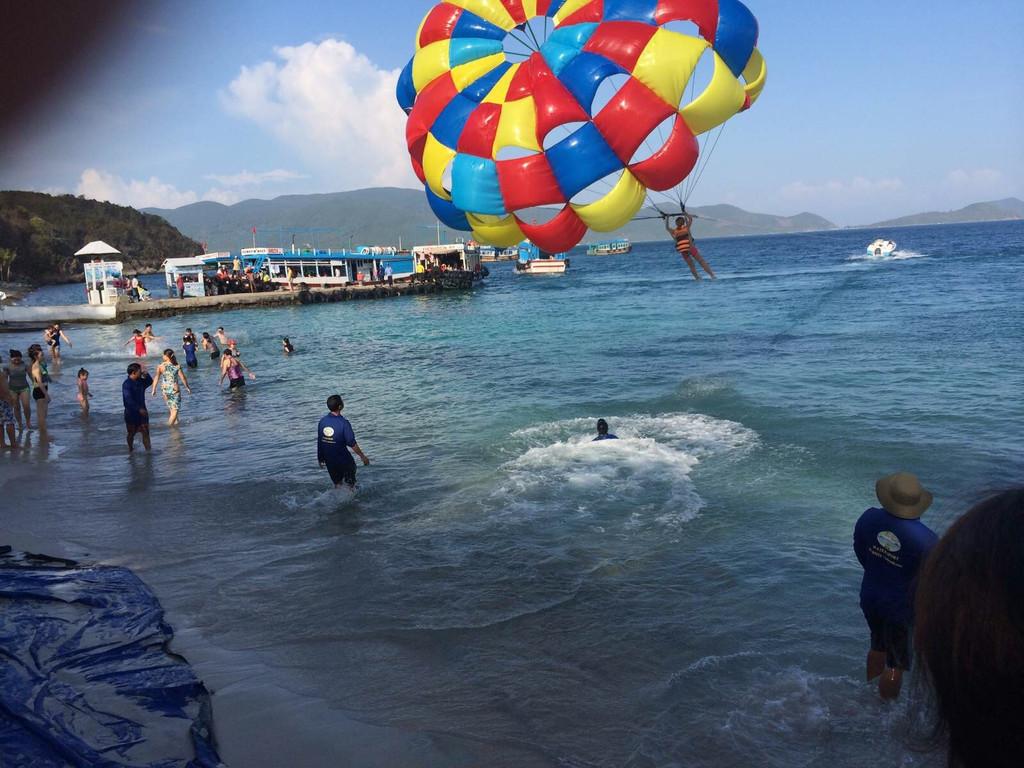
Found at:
[20, 317]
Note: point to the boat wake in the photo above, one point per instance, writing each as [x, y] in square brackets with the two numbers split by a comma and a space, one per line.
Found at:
[900, 255]
[646, 473]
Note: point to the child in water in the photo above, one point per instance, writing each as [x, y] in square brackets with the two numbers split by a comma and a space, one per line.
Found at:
[140, 343]
[83, 390]
[287, 345]
[189, 343]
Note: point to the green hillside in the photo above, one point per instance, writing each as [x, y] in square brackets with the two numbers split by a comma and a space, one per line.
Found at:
[46, 230]
[383, 215]
[995, 210]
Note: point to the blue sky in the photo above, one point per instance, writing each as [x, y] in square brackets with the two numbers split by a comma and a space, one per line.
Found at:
[872, 110]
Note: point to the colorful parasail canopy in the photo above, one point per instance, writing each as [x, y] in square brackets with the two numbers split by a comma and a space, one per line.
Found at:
[470, 101]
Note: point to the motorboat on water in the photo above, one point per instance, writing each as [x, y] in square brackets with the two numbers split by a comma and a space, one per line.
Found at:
[533, 261]
[881, 248]
[610, 248]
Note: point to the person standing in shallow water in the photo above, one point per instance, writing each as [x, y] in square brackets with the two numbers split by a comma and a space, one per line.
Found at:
[892, 544]
[334, 436]
[188, 343]
[168, 374]
[136, 416]
[8, 402]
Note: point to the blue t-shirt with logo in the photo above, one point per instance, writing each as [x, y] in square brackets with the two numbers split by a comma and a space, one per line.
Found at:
[892, 550]
[333, 437]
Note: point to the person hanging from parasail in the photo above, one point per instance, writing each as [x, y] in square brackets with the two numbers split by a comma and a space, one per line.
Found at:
[685, 246]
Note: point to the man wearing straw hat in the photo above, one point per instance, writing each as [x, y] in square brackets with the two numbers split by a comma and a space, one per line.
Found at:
[892, 544]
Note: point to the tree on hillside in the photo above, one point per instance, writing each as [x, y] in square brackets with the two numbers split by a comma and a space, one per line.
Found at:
[7, 257]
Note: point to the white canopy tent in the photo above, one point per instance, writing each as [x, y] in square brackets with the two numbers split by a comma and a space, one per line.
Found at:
[98, 248]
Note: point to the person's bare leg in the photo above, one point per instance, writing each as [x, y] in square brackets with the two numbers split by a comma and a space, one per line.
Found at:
[13, 437]
[889, 684]
[145, 440]
[173, 418]
[41, 409]
[691, 265]
[696, 254]
[876, 664]
[131, 441]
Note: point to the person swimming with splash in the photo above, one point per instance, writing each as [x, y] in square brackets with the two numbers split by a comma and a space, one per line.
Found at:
[603, 433]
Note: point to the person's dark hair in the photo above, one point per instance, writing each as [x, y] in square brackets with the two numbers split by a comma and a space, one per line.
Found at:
[136, 332]
[969, 634]
[602, 427]
[149, 325]
[134, 368]
[14, 352]
[206, 334]
[228, 353]
[169, 353]
[81, 371]
[335, 403]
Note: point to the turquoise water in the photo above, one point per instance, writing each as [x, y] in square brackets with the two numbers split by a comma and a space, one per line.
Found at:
[512, 594]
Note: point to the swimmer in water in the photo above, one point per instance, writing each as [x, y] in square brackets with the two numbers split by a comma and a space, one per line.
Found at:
[17, 377]
[233, 347]
[83, 390]
[8, 402]
[140, 343]
[287, 346]
[231, 367]
[209, 345]
[334, 437]
[684, 243]
[40, 390]
[221, 336]
[148, 335]
[603, 433]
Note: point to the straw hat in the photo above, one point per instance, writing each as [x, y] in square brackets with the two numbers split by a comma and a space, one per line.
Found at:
[902, 495]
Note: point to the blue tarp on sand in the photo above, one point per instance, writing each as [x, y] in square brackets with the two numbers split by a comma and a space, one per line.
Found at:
[86, 675]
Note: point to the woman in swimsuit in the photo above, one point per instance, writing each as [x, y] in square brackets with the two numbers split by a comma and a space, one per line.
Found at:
[53, 335]
[140, 343]
[40, 391]
[167, 375]
[232, 368]
[209, 345]
[17, 379]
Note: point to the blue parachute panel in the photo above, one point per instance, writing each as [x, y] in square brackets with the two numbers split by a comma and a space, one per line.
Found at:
[581, 159]
[448, 214]
[584, 75]
[406, 90]
[475, 185]
[736, 36]
[630, 10]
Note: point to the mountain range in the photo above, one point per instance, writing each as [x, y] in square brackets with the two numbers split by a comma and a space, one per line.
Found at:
[383, 216]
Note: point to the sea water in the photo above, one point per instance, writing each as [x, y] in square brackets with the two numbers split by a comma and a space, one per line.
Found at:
[502, 591]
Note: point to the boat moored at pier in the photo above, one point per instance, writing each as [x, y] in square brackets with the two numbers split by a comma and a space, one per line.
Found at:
[610, 247]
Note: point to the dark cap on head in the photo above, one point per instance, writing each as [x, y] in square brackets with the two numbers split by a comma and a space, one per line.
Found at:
[335, 403]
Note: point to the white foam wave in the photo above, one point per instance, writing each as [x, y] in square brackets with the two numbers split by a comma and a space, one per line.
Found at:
[900, 255]
[332, 498]
[646, 471]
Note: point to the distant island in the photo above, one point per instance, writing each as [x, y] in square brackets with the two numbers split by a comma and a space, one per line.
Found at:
[44, 231]
[996, 210]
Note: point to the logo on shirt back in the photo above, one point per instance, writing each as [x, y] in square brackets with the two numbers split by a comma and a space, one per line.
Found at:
[328, 431]
[889, 541]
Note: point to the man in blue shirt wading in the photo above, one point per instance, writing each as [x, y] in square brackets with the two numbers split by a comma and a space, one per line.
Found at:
[892, 545]
[133, 392]
[334, 436]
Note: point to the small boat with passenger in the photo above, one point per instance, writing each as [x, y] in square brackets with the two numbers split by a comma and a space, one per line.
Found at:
[533, 261]
[881, 248]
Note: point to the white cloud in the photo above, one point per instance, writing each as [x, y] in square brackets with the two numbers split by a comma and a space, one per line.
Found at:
[151, 193]
[251, 179]
[977, 184]
[334, 106]
[858, 188]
